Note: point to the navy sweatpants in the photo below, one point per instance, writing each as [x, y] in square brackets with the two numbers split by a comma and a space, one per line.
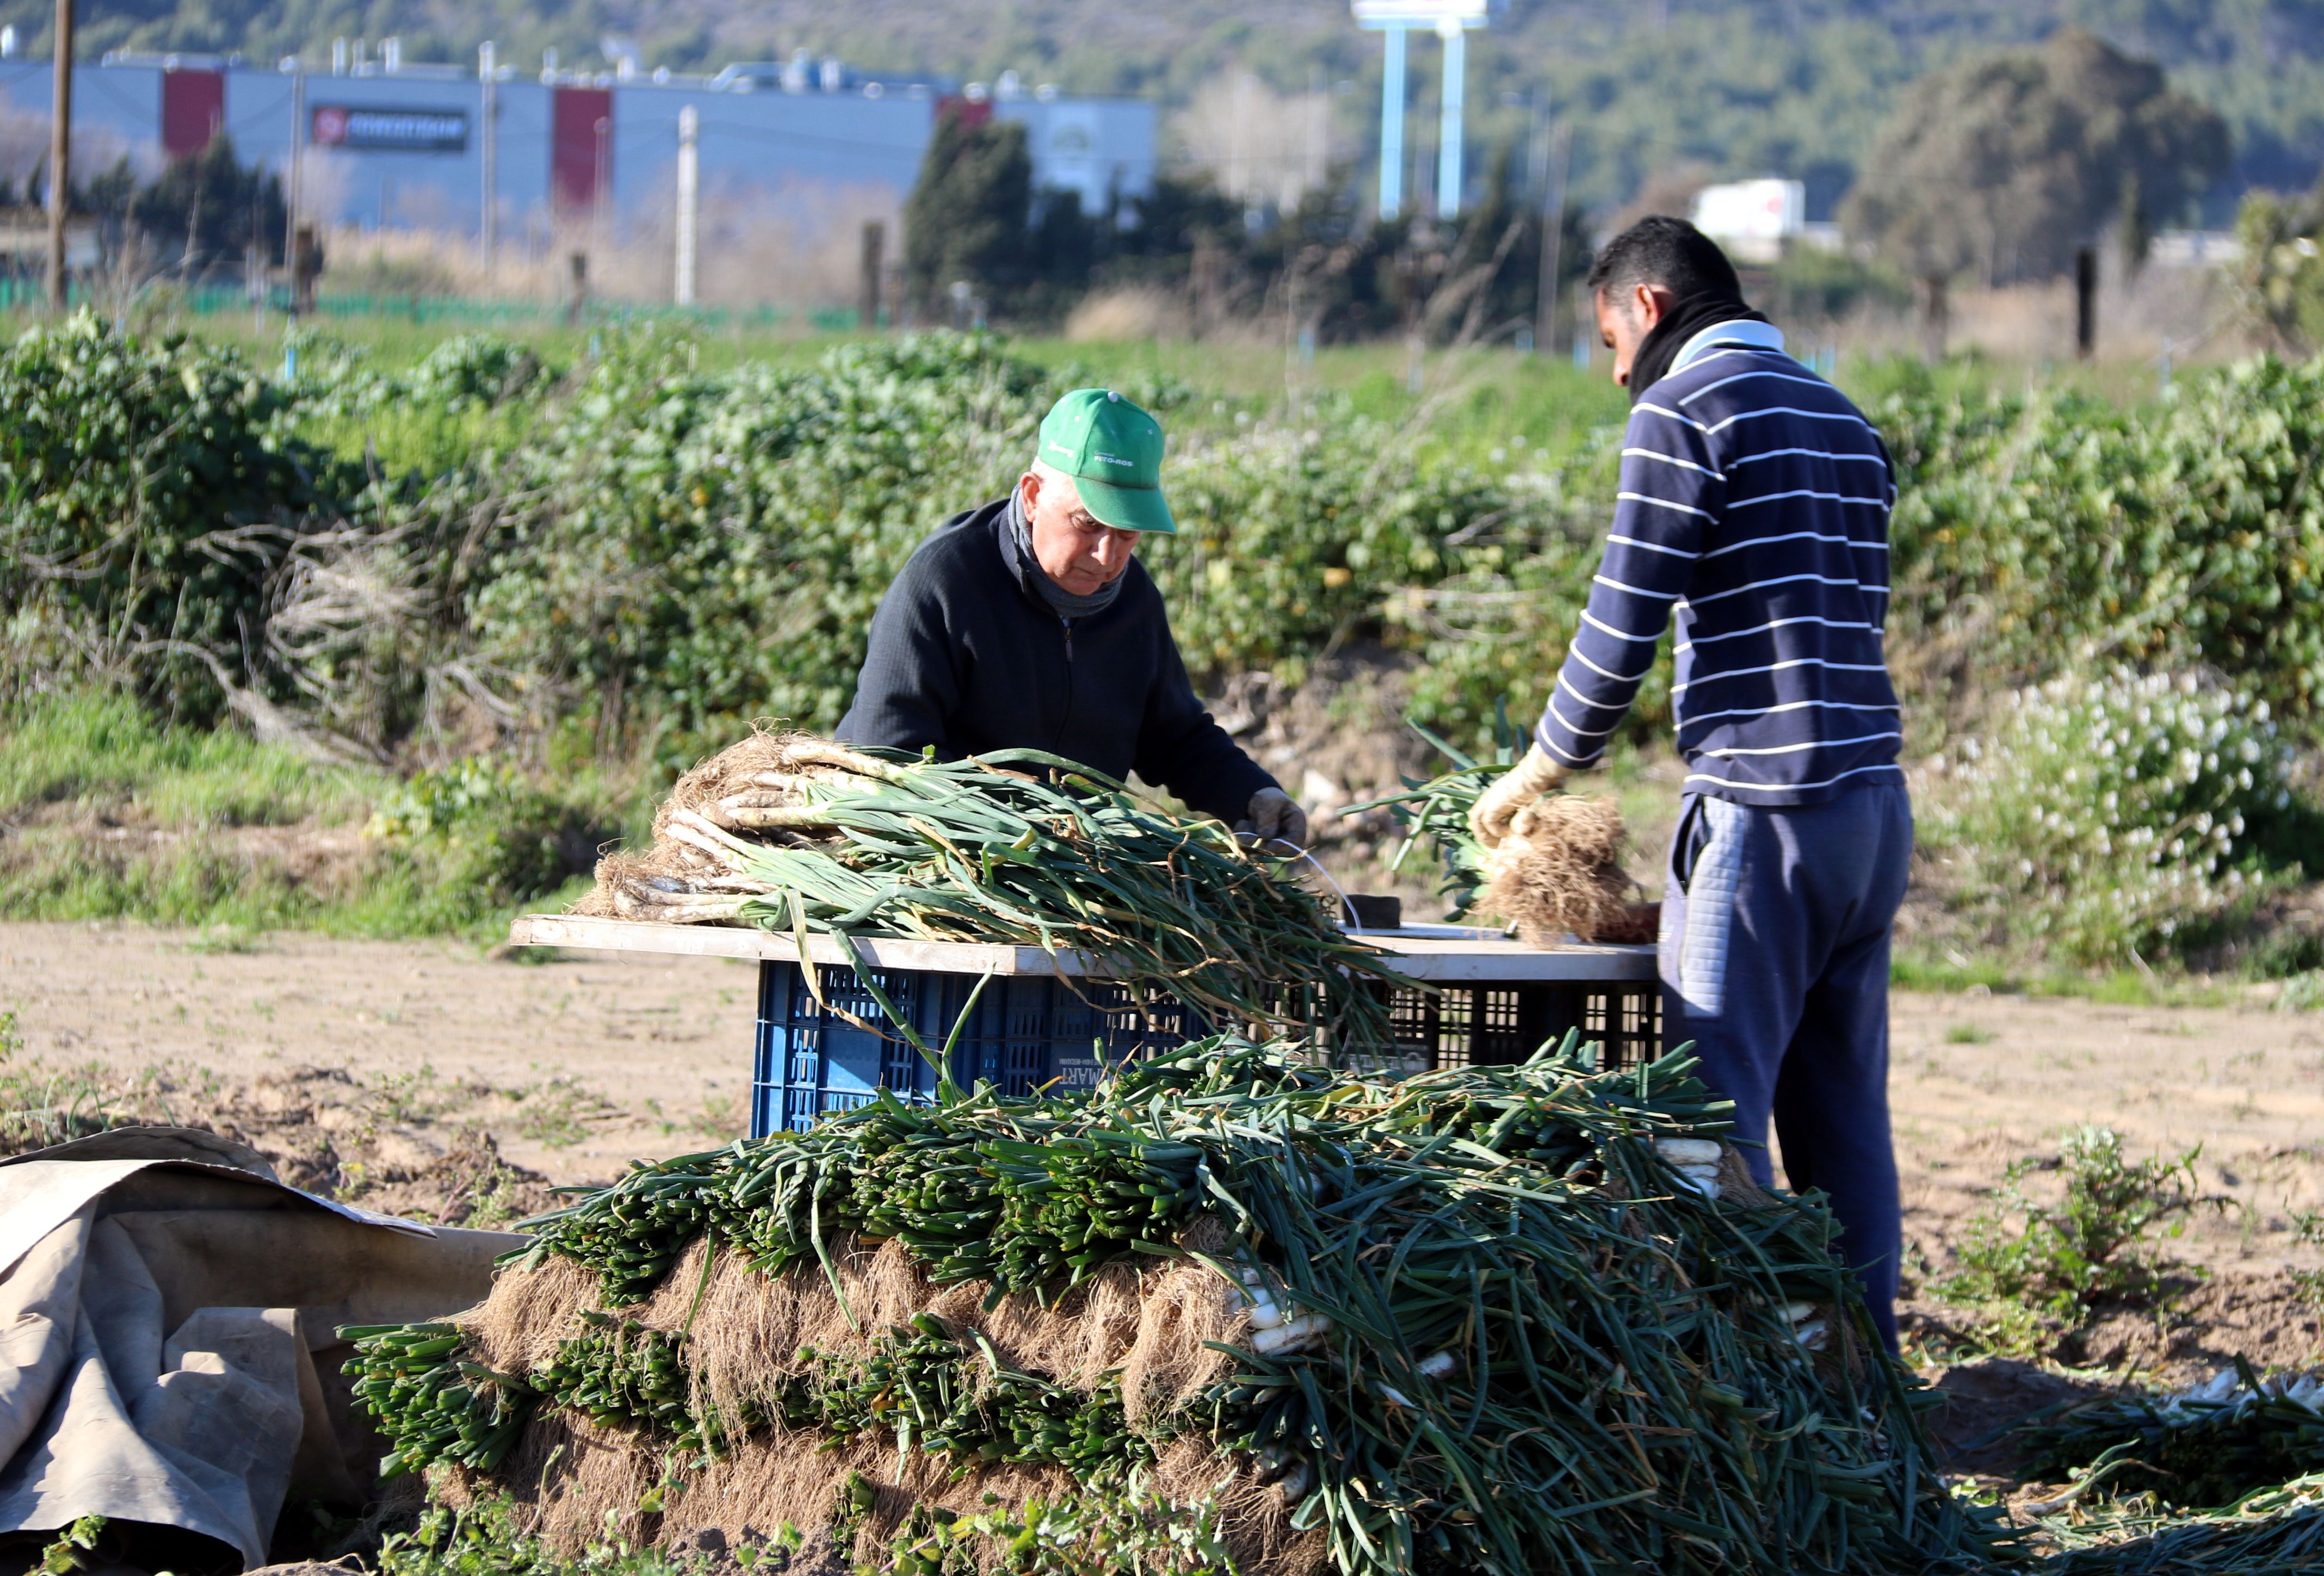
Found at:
[1774, 961]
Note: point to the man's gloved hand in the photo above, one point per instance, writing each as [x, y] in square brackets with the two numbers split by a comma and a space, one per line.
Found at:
[1521, 784]
[1274, 814]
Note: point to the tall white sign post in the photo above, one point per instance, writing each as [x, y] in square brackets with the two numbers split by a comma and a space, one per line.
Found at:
[690, 184]
[1449, 20]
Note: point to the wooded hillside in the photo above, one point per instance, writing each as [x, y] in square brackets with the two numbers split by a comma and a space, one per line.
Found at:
[1719, 88]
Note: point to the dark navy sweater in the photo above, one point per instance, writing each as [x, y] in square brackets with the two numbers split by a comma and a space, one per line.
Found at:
[1754, 504]
[965, 657]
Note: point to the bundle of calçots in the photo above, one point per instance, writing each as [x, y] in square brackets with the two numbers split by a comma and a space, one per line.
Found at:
[444, 1407]
[1558, 874]
[2203, 1447]
[2271, 1532]
[796, 833]
[1477, 1320]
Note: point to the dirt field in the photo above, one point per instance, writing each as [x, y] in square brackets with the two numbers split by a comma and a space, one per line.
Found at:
[389, 1058]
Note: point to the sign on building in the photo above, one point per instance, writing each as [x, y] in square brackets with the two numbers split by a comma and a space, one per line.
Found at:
[1752, 218]
[391, 131]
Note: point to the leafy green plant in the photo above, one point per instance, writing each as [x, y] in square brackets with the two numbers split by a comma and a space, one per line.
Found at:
[1136, 1530]
[475, 372]
[2308, 1228]
[2113, 814]
[490, 1537]
[2037, 531]
[2092, 1245]
[74, 1548]
[503, 839]
[149, 492]
[1292, 535]
[42, 1105]
[557, 1112]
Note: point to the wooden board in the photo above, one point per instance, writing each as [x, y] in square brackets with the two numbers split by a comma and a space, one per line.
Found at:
[1460, 958]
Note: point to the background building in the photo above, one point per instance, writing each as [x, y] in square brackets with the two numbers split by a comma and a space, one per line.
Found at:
[397, 146]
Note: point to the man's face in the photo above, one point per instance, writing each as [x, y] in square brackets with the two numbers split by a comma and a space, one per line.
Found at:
[1075, 548]
[1625, 318]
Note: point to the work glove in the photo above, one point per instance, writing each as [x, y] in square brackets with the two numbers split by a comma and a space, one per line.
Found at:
[1274, 814]
[1521, 784]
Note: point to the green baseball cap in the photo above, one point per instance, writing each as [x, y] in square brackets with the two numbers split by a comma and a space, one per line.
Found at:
[1113, 452]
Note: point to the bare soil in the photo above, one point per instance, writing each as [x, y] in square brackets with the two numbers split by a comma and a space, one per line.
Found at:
[370, 1067]
[454, 1083]
[1979, 1080]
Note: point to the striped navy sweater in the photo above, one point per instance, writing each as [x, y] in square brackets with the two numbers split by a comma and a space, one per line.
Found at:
[1754, 504]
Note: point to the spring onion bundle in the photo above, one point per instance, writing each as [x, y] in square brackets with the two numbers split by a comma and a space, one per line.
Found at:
[2207, 1446]
[1017, 847]
[1559, 872]
[1484, 1319]
[2271, 1532]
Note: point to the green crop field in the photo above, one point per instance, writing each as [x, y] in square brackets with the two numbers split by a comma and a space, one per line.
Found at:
[386, 628]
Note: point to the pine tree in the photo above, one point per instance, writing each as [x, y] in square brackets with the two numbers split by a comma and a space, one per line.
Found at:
[969, 217]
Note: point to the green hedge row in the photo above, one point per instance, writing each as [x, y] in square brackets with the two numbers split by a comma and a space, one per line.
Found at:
[665, 551]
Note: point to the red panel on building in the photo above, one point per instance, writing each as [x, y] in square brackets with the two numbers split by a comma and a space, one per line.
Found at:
[580, 155]
[193, 110]
[972, 112]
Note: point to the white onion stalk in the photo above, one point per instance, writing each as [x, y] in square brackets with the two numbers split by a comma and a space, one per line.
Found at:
[1276, 1330]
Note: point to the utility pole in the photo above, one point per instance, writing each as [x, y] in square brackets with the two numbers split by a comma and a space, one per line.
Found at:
[487, 141]
[2086, 302]
[689, 179]
[1553, 235]
[1453, 106]
[61, 156]
[601, 183]
[298, 165]
[1392, 98]
[1319, 131]
[874, 260]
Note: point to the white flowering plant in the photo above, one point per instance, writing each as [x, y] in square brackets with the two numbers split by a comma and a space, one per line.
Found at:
[2112, 816]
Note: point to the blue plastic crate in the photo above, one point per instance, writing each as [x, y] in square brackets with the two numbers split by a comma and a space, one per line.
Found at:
[1025, 1032]
[1033, 1031]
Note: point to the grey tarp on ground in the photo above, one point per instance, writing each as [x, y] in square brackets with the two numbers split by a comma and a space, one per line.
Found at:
[168, 1313]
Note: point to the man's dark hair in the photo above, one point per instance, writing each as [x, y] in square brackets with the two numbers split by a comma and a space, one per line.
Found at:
[1666, 252]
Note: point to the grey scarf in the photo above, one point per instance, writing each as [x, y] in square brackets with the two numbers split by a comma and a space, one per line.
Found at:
[1031, 576]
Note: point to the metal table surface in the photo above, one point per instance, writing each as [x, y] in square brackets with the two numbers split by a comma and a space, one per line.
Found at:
[1437, 955]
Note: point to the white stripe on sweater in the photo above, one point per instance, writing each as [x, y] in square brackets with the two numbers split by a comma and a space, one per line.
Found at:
[1789, 705]
[1653, 634]
[1727, 753]
[1662, 504]
[1672, 459]
[1779, 580]
[1805, 618]
[1786, 410]
[1806, 493]
[1726, 673]
[1579, 733]
[1814, 454]
[1582, 657]
[1757, 371]
[1646, 410]
[1631, 541]
[1637, 591]
[1791, 787]
[1797, 536]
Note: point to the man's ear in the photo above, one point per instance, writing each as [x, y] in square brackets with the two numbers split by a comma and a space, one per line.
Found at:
[1648, 303]
[1028, 491]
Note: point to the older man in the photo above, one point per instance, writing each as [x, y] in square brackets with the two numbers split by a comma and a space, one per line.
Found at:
[1029, 623]
[1754, 505]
